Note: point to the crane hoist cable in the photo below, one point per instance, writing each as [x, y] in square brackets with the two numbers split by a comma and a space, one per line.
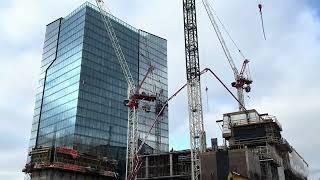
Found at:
[260, 6]
[226, 30]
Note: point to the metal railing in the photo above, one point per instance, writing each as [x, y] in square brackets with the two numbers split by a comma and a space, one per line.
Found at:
[269, 118]
[252, 119]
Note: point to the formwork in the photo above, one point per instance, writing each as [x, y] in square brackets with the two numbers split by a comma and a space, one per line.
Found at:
[68, 164]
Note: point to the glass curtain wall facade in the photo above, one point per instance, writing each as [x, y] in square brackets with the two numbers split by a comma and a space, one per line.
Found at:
[102, 118]
[153, 51]
[79, 101]
[57, 93]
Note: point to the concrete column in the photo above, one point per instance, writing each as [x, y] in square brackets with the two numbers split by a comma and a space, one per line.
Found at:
[171, 165]
[147, 166]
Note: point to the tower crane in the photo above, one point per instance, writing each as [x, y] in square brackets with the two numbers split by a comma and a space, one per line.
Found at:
[161, 111]
[242, 82]
[134, 95]
[196, 128]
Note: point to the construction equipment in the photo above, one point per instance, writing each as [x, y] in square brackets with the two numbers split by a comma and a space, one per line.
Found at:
[242, 82]
[197, 133]
[134, 96]
[161, 111]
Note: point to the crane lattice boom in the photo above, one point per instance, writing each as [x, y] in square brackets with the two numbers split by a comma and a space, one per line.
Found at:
[214, 23]
[197, 133]
[116, 45]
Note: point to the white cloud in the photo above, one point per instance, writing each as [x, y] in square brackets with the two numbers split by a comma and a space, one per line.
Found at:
[24, 19]
[284, 68]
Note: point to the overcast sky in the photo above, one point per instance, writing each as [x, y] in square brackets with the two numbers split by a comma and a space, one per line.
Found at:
[285, 68]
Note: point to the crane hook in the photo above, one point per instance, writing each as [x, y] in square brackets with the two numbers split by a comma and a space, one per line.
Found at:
[260, 7]
[207, 98]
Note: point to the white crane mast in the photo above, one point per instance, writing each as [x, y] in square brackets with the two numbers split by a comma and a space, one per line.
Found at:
[196, 128]
[238, 77]
[132, 144]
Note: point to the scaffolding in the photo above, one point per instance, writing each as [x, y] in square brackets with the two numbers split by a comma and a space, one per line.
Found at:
[69, 160]
[268, 153]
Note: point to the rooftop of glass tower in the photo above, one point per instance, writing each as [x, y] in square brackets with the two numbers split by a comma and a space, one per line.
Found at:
[88, 4]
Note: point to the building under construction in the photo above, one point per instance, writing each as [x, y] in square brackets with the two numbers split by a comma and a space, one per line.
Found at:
[261, 133]
[64, 164]
[255, 149]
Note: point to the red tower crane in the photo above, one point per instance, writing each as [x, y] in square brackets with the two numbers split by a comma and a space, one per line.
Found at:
[134, 95]
[242, 81]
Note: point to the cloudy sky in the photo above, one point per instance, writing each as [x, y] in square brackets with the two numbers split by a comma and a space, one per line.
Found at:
[284, 68]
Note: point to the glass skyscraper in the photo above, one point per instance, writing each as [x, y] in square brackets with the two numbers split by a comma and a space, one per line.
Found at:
[79, 100]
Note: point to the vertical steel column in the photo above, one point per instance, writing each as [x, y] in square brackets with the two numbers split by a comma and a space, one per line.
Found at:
[171, 164]
[197, 134]
[132, 141]
[147, 167]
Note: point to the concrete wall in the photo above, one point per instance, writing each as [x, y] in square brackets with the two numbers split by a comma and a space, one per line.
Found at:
[209, 166]
[217, 165]
[245, 163]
